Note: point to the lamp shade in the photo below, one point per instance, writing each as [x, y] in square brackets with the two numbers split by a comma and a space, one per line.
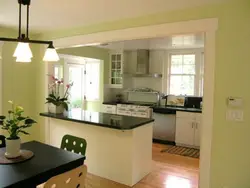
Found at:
[23, 51]
[51, 55]
[23, 59]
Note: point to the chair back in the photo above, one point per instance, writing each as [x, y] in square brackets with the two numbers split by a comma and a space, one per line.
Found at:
[74, 144]
[72, 179]
[2, 141]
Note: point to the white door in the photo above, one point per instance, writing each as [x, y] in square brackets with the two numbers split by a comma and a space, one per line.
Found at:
[75, 75]
[197, 133]
[184, 131]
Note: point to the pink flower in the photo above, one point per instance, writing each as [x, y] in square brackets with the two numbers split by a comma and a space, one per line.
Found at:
[68, 86]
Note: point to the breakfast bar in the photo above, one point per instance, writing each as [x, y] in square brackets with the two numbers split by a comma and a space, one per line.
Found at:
[119, 148]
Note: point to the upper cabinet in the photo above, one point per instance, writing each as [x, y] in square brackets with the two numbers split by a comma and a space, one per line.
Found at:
[116, 69]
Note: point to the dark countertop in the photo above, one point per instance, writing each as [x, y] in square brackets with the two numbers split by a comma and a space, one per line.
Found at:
[132, 103]
[161, 109]
[101, 119]
[167, 109]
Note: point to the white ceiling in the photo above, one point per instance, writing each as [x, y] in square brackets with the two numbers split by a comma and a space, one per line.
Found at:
[172, 42]
[46, 15]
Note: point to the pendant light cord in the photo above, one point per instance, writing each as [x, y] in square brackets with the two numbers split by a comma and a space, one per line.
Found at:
[20, 21]
[27, 27]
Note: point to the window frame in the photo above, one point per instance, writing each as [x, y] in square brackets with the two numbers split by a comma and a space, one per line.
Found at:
[198, 65]
[76, 60]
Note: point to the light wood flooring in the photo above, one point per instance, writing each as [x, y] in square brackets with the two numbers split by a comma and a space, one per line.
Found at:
[169, 171]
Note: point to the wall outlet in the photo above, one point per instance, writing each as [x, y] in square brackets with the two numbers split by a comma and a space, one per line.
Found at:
[234, 115]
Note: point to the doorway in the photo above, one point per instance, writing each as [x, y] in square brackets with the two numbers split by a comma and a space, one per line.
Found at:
[209, 26]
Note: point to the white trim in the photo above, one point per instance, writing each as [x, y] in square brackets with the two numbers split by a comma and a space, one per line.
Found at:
[152, 31]
[209, 26]
[197, 75]
[77, 58]
[208, 109]
[1, 79]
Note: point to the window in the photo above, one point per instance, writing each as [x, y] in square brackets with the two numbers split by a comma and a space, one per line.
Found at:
[58, 71]
[185, 74]
[85, 75]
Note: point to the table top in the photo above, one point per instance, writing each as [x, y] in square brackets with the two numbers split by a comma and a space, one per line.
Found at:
[47, 162]
[101, 119]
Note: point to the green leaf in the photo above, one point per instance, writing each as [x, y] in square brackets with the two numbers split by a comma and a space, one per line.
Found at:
[52, 95]
[25, 126]
[10, 121]
[20, 118]
[2, 117]
[30, 121]
[65, 105]
[24, 132]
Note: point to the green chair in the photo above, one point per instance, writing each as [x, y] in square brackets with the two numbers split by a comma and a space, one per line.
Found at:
[74, 144]
[2, 141]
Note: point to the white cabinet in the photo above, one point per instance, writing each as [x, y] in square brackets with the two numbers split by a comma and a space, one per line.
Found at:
[188, 126]
[184, 133]
[116, 69]
[110, 109]
[197, 133]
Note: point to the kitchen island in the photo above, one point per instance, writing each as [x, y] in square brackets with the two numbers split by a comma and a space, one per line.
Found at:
[119, 148]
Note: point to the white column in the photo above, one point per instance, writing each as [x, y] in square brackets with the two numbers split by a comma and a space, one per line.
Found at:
[1, 79]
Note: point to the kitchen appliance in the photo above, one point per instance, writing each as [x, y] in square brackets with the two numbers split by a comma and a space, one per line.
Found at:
[173, 100]
[134, 110]
[139, 101]
[142, 65]
[164, 126]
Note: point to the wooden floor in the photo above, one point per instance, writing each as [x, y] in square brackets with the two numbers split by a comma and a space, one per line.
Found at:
[169, 171]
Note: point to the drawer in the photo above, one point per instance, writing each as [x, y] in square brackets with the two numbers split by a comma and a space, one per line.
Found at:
[124, 113]
[140, 114]
[190, 115]
[185, 115]
[109, 109]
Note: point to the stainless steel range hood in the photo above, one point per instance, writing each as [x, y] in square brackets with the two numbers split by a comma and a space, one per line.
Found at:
[142, 65]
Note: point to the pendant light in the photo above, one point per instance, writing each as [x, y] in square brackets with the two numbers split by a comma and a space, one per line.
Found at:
[51, 54]
[23, 52]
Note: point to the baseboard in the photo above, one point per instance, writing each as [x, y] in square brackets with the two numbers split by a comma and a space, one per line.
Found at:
[164, 142]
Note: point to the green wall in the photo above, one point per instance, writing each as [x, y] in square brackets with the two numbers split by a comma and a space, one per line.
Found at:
[96, 53]
[230, 154]
[19, 85]
[230, 163]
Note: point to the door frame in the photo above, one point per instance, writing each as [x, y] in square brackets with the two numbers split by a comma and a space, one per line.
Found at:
[209, 27]
[1, 78]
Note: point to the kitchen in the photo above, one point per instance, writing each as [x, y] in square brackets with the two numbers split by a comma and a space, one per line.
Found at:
[140, 84]
[132, 78]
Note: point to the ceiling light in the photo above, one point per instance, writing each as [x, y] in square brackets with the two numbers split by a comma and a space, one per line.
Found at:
[23, 52]
[23, 59]
[51, 54]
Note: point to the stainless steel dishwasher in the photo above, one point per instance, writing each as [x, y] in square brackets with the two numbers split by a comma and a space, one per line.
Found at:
[164, 125]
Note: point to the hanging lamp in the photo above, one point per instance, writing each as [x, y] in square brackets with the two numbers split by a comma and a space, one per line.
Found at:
[23, 52]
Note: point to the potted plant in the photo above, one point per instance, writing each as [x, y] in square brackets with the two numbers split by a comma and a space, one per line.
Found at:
[58, 103]
[14, 124]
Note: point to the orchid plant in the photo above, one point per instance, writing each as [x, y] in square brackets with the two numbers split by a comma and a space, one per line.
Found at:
[54, 93]
[15, 122]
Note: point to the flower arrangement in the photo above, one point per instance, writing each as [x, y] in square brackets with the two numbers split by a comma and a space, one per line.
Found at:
[15, 122]
[54, 93]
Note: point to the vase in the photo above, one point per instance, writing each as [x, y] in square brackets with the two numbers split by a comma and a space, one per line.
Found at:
[12, 148]
[56, 109]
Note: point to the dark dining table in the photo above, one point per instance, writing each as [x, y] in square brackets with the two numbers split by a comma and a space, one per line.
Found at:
[48, 161]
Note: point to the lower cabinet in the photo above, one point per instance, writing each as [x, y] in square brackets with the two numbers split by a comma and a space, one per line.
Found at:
[188, 126]
[110, 109]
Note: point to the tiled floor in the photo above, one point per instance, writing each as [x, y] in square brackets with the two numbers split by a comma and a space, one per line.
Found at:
[169, 171]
